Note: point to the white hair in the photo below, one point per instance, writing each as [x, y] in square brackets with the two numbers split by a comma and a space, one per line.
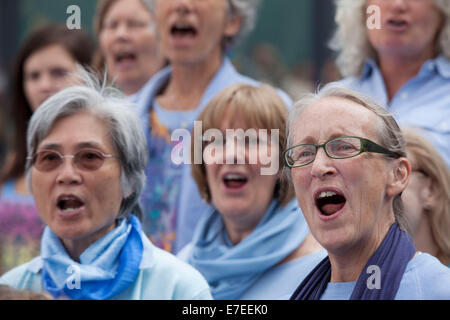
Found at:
[350, 38]
[110, 106]
[246, 9]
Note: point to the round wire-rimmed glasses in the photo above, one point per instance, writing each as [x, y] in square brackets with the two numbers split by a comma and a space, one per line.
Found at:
[336, 148]
[85, 159]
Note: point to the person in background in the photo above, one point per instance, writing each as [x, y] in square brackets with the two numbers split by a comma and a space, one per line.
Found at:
[86, 169]
[127, 44]
[427, 197]
[403, 62]
[347, 160]
[194, 36]
[254, 242]
[45, 64]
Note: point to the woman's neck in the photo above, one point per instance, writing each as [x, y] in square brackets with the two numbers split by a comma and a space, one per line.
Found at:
[131, 87]
[188, 83]
[348, 263]
[75, 247]
[423, 237]
[398, 70]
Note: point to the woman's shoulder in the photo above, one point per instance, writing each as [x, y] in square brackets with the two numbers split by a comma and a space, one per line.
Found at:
[25, 276]
[170, 278]
[426, 278]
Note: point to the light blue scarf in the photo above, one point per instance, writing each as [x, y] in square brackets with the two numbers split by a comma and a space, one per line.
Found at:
[231, 270]
[107, 268]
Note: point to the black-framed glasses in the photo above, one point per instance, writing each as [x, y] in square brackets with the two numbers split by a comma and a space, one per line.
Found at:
[337, 148]
[85, 159]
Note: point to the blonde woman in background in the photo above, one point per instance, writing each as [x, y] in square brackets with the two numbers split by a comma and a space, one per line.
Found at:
[427, 197]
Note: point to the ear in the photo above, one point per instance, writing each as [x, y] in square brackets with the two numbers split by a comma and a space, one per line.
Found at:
[429, 195]
[398, 177]
[233, 25]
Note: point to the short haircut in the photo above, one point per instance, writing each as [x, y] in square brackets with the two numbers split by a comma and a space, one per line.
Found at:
[388, 132]
[110, 106]
[258, 107]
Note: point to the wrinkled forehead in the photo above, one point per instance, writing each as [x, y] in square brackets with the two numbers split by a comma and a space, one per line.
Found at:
[332, 117]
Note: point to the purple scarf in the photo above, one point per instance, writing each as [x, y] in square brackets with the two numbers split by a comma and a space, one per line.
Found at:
[392, 257]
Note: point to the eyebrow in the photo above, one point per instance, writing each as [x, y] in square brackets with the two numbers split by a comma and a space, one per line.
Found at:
[81, 145]
[310, 139]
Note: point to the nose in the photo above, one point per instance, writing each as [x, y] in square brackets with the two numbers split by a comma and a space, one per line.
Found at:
[400, 5]
[122, 32]
[68, 173]
[235, 152]
[322, 167]
[46, 84]
[183, 6]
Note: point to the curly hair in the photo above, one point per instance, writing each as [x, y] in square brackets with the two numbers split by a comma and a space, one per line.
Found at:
[350, 38]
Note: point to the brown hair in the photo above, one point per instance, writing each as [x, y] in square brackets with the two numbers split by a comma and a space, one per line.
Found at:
[78, 44]
[425, 158]
[258, 107]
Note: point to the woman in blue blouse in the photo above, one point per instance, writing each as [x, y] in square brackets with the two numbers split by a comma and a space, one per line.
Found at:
[397, 52]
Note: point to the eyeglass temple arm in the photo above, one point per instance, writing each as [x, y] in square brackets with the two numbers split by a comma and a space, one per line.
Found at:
[373, 147]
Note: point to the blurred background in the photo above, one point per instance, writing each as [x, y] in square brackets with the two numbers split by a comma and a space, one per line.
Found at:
[288, 47]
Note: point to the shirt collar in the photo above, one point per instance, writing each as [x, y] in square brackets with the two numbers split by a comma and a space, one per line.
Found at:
[439, 64]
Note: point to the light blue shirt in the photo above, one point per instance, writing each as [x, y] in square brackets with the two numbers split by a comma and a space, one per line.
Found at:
[423, 102]
[280, 282]
[161, 277]
[425, 278]
[190, 205]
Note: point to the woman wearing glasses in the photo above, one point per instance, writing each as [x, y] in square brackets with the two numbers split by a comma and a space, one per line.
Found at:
[86, 170]
[348, 165]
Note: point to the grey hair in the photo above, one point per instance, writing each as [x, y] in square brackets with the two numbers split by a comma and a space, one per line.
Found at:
[350, 38]
[109, 105]
[246, 9]
[388, 133]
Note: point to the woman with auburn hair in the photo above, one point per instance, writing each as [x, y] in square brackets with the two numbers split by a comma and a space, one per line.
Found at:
[403, 63]
[254, 242]
[427, 197]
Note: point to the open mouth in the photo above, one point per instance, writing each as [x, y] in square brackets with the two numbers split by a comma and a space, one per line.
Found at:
[397, 23]
[69, 203]
[234, 180]
[329, 202]
[122, 57]
[183, 30]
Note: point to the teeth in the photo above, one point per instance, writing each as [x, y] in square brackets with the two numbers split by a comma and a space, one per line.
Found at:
[233, 176]
[324, 194]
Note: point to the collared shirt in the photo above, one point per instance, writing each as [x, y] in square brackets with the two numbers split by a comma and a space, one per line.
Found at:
[423, 102]
[171, 202]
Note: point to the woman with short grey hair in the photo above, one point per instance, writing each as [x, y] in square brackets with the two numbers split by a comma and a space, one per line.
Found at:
[348, 165]
[86, 171]
[398, 53]
[195, 37]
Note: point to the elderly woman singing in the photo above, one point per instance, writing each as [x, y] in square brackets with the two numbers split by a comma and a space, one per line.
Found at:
[86, 170]
[348, 165]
